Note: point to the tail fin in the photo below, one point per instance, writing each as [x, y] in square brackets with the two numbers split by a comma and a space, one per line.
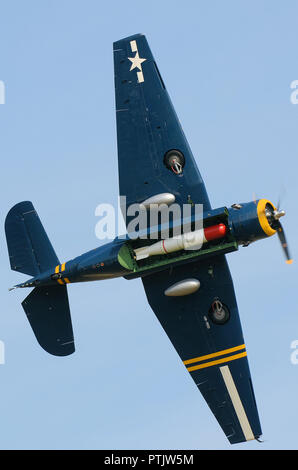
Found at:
[47, 310]
[30, 250]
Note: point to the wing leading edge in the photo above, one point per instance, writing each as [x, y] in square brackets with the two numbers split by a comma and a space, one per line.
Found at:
[214, 354]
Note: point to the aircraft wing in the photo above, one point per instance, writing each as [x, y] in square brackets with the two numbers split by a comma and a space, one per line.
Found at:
[147, 128]
[214, 354]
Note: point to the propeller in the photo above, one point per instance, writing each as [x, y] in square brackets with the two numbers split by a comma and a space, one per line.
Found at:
[273, 217]
[282, 238]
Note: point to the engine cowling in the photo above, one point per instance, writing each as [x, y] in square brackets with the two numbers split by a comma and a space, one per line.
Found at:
[252, 221]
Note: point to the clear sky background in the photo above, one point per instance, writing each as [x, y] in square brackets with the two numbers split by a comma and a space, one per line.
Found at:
[228, 67]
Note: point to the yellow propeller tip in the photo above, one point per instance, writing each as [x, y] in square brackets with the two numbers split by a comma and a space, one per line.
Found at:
[289, 261]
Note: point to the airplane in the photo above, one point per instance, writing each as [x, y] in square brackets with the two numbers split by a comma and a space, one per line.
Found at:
[186, 279]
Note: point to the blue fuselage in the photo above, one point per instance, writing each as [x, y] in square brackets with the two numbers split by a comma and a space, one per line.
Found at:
[245, 224]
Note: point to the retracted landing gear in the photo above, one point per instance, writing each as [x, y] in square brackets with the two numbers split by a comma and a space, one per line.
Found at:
[174, 160]
[218, 312]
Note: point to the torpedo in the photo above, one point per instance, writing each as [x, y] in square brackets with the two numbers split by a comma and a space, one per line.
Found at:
[187, 241]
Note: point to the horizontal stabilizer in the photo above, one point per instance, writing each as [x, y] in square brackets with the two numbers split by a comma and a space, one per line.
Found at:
[30, 250]
[47, 310]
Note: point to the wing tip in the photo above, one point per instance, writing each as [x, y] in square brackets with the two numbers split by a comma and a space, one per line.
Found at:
[235, 439]
[128, 38]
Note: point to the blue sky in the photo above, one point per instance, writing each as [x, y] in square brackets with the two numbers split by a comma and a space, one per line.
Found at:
[228, 67]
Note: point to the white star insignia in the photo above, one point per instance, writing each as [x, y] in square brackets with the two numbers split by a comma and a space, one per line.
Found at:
[136, 62]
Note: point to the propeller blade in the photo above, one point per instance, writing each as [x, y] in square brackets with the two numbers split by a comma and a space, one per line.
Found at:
[284, 243]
